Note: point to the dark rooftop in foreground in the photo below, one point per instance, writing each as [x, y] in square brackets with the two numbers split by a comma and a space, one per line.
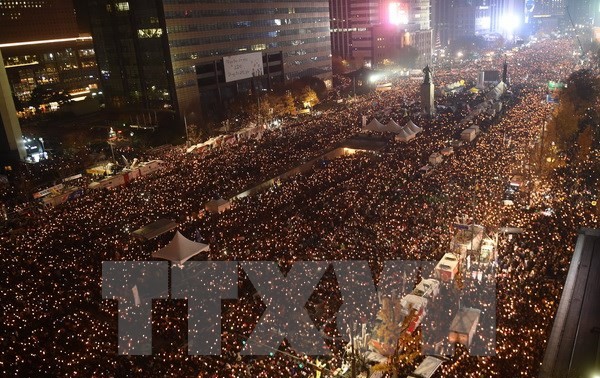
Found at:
[154, 229]
[574, 346]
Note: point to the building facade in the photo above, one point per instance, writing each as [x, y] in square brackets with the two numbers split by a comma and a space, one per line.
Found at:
[547, 14]
[68, 66]
[372, 32]
[341, 28]
[41, 45]
[11, 139]
[582, 11]
[33, 20]
[170, 53]
[455, 19]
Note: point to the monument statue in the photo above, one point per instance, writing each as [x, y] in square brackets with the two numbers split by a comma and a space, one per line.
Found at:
[427, 72]
[427, 92]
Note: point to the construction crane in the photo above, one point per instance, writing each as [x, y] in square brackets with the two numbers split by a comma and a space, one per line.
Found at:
[576, 34]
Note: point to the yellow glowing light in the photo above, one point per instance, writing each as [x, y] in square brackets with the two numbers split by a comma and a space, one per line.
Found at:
[41, 42]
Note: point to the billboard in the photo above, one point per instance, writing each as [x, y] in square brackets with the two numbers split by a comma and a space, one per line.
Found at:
[244, 66]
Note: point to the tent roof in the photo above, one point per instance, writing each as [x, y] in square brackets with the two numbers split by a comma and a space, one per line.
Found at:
[180, 249]
[464, 320]
[375, 125]
[405, 135]
[412, 127]
[393, 126]
[154, 229]
[428, 367]
[496, 92]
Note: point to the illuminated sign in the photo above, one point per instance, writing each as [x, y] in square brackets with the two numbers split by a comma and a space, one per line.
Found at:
[398, 13]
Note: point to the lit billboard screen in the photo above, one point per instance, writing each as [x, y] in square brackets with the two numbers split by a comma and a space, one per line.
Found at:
[239, 67]
[398, 13]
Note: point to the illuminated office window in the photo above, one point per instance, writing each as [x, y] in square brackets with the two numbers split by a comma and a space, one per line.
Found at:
[150, 33]
[122, 7]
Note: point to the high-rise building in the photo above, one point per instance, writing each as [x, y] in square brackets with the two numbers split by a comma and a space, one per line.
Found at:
[33, 20]
[183, 54]
[507, 16]
[582, 11]
[455, 19]
[375, 31]
[11, 140]
[67, 65]
[365, 14]
[341, 28]
[546, 14]
[549, 8]
[42, 46]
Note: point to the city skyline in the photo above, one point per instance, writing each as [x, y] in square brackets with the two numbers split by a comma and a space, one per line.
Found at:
[300, 189]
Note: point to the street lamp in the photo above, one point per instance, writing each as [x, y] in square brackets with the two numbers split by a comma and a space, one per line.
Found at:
[187, 135]
[112, 150]
[257, 73]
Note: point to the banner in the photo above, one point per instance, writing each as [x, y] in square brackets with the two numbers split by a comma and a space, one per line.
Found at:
[245, 66]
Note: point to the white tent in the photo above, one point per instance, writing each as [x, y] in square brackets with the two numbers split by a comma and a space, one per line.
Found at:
[180, 249]
[427, 368]
[375, 125]
[393, 127]
[404, 135]
[497, 92]
[413, 128]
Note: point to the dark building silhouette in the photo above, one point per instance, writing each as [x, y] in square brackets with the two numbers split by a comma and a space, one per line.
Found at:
[25, 20]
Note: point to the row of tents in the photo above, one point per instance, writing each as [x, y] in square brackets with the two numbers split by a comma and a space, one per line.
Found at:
[254, 132]
[403, 133]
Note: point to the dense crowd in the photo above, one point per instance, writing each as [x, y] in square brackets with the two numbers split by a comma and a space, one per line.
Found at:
[366, 206]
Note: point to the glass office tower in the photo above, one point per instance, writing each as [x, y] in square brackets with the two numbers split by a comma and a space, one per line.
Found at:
[170, 53]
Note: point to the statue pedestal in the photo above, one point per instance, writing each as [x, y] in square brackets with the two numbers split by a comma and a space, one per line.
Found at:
[428, 98]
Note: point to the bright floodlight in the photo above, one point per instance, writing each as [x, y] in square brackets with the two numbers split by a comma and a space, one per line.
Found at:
[510, 23]
[397, 14]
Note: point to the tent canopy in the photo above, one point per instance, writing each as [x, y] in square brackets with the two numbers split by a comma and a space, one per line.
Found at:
[404, 135]
[427, 368]
[497, 92]
[375, 125]
[393, 127]
[180, 249]
[412, 127]
[154, 229]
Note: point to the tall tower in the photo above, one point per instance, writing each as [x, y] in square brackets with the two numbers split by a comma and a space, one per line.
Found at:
[41, 45]
[341, 32]
[11, 140]
[157, 54]
[34, 20]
